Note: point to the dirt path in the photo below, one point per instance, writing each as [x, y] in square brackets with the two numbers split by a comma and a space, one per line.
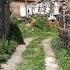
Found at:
[16, 58]
[50, 60]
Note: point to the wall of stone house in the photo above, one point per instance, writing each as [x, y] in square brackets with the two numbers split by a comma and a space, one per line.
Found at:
[4, 19]
[15, 8]
[18, 9]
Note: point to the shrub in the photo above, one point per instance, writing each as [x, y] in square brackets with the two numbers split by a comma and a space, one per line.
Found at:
[63, 55]
[15, 34]
[41, 23]
[6, 49]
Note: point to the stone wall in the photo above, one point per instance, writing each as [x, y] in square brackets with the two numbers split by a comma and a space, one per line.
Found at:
[15, 8]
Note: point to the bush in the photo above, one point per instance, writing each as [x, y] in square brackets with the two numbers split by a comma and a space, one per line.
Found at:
[41, 22]
[8, 46]
[6, 49]
[63, 55]
[15, 34]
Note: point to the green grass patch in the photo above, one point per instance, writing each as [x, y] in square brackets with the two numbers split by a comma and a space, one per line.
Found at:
[35, 31]
[33, 57]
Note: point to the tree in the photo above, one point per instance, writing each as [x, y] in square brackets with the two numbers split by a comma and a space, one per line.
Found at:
[4, 18]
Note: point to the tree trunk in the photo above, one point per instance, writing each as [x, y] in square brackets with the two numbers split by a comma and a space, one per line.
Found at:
[4, 19]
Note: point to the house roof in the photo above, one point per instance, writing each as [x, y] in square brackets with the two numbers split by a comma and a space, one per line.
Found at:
[24, 0]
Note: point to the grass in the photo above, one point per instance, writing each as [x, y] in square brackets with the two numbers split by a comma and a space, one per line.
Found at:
[33, 57]
[34, 31]
[62, 54]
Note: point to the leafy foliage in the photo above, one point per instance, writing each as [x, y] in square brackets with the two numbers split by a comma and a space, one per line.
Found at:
[40, 29]
[41, 22]
[33, 57]
[6, 49]
[63, 55]
[8, 46]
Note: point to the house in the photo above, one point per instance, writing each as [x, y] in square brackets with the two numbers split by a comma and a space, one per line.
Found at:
[18, 7]
[54, 11]
[21, 8]
[42, 7]
[56, 8]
